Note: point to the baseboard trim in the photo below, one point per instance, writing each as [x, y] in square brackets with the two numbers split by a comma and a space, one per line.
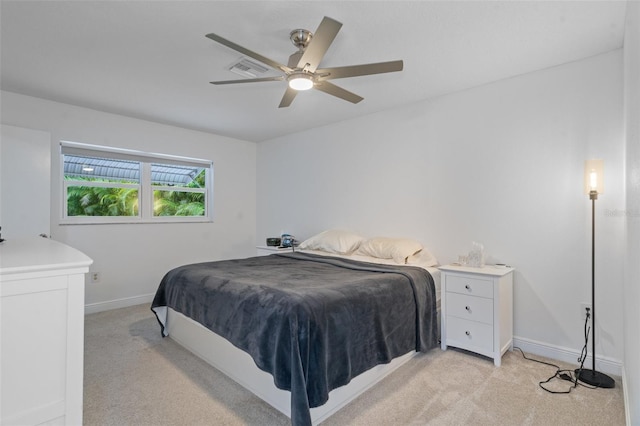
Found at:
[92, 308]
[603, 364]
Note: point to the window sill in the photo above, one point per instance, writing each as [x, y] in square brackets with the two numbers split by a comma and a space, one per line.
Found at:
[131, 221]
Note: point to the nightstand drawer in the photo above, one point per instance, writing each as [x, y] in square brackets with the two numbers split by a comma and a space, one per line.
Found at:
[470, 307]
[469, 285]
[469, 334]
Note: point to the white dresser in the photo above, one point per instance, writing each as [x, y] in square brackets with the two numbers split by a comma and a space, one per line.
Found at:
[42, 332]
[477, 309]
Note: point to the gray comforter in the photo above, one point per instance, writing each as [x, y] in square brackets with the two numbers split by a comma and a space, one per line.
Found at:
[313, 322]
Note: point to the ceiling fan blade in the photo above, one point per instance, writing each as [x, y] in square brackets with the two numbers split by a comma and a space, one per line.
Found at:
[319, 44]
[249, 53]
[332, 89]
[249, 80]
[358, 70]
[289, 96]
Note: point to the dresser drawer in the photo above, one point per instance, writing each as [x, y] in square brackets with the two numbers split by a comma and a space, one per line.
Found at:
[470, 307]
[470, 335]
[469, 285]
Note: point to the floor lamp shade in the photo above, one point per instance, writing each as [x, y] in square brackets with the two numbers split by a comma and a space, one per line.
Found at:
[594, 185]
[594, 176]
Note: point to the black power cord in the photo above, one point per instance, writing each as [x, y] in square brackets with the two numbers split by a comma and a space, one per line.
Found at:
[568, 375]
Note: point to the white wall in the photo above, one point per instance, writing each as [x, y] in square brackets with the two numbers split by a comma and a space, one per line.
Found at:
[133, 258]
[500, 164]
[632, 267]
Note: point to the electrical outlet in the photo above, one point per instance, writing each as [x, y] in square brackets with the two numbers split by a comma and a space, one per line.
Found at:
[583, 310]
[95, 277]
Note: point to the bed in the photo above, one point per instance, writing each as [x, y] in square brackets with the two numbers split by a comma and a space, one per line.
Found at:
[309, 329]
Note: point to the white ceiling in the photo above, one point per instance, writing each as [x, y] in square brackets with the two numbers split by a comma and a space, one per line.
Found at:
[151, 59]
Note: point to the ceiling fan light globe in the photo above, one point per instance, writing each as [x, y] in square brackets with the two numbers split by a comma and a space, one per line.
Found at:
[300, 82]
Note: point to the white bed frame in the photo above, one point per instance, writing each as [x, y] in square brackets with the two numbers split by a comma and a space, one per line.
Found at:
[239, 366]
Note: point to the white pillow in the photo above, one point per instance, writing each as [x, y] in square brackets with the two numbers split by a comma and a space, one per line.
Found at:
[423, 258]
[398, 249]
[333, 241]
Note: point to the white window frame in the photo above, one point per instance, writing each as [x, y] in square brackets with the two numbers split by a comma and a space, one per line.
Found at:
[145, 188]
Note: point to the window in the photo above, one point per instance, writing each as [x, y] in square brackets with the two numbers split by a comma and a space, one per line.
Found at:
[109, 185]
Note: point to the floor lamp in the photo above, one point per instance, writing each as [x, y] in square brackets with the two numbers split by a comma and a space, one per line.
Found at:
[594, 185]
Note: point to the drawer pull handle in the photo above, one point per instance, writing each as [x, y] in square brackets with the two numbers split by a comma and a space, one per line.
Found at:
[468, 333]
[467, 308]
[467, 287]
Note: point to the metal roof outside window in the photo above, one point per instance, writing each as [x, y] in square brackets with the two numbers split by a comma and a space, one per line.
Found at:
[128, 171]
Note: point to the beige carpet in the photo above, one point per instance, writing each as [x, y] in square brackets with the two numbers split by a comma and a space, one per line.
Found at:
[134, 377]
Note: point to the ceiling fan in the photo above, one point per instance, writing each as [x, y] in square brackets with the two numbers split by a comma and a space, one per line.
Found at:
[302, 72]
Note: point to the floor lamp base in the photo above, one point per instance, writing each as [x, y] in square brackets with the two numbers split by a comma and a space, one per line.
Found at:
[595, 378]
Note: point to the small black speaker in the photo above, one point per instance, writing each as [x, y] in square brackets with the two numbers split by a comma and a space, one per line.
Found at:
[273, 241]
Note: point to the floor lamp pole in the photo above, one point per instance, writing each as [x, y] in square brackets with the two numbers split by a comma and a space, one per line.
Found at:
[593, 279]
[593, 377]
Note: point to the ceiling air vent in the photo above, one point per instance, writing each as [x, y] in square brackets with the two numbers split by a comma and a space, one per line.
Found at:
[247, 68]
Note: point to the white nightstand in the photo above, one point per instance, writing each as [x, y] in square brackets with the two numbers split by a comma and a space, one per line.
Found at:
[267, 250]
[477, 309]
